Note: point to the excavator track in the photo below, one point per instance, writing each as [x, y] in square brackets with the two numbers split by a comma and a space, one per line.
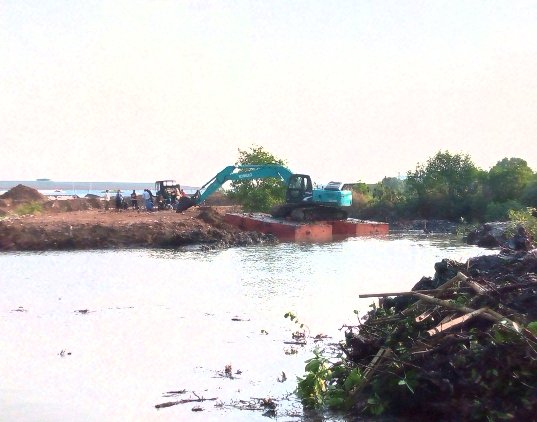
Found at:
[308, 213]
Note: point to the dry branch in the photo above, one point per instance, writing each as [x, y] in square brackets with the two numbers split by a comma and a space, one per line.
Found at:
[443, 326]
[173, 403]
[476, 287]
[459, 277]
[410, 293]
[382, 354]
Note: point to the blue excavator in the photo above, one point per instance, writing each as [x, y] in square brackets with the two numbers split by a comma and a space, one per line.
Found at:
[302, 202]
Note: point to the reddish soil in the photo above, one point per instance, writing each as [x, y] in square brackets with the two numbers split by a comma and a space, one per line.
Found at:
[86, 224]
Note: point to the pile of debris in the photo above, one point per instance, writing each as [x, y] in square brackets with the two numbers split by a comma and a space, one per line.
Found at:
[460, 346]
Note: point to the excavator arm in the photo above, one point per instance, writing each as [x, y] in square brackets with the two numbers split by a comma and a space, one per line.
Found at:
[231, 173]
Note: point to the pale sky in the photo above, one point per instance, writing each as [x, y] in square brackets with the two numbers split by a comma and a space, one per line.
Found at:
[140, 90]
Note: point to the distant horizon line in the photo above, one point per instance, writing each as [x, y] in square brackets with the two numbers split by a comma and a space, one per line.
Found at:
[79, 185]
[74, 181]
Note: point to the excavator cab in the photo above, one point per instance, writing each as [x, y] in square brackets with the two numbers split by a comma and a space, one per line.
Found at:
[299, 189]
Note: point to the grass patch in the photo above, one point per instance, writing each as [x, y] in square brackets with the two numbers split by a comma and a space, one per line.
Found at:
[29, 209]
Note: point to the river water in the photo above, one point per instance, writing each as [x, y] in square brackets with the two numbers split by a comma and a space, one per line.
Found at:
[104, 335]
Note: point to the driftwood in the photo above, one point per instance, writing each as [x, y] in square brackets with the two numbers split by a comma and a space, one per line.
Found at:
[480, 290]
[448, 284]
[382, 354]
[443, 326]
[451, 321]
[444, 303]
[477, 324]
[173, 403]
[424, 315]
[410, 293]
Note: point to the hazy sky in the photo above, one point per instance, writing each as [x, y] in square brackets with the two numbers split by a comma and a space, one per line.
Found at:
[343, 90]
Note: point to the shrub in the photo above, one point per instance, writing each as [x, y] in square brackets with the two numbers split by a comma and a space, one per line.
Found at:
[499, 211]
[29, 209]
[525, 219]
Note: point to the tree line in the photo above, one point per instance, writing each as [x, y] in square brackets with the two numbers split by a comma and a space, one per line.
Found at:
[447, 186]
[450, 186]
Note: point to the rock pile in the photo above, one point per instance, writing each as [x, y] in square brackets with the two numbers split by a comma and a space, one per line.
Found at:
[493, 235]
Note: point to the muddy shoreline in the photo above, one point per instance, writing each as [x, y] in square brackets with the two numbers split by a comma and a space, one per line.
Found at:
[99, 229]
[31, 222]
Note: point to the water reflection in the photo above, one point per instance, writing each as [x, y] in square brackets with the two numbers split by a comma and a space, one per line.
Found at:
[163, 320]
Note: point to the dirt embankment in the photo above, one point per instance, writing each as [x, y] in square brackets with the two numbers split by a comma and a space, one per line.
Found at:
[86, 224]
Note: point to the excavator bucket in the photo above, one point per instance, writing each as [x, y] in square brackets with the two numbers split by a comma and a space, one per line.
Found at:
[185, 203]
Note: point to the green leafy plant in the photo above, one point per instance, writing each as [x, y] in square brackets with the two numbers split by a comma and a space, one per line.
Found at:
[29, 209]
[292, 317]
[409, 381]
[376, 405]
[326, 384]
[532, 326]
[525, 219]
[311, 389]
[464, 229]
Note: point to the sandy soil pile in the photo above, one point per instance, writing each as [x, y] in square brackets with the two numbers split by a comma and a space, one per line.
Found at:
[17, 196]
[21, 193]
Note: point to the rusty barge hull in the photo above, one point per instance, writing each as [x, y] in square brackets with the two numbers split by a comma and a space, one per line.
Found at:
[320, 231]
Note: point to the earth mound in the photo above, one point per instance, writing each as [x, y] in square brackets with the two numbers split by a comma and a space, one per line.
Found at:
[68, 205]
[212, 217]
[21, 193]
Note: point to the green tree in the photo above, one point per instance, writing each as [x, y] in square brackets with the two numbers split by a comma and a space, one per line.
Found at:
[389, 189]
[360, 187]
[258, 194]
[508, 178]
[445, 186]
[361, 198]
[385, 203]
[499, 211]
[529, 194]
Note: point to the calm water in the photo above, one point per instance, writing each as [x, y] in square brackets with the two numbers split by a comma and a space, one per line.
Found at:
[162, 320]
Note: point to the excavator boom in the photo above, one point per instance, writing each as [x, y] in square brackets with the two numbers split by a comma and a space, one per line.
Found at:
[231, 173]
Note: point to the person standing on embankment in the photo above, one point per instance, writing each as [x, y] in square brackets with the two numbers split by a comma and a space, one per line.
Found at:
[148, 200]
[119, 200]
[106, 200]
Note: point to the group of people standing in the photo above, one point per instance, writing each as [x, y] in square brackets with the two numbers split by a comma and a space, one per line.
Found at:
[147, 196]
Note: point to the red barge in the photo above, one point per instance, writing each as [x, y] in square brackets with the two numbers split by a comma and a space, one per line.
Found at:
[319, 231]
